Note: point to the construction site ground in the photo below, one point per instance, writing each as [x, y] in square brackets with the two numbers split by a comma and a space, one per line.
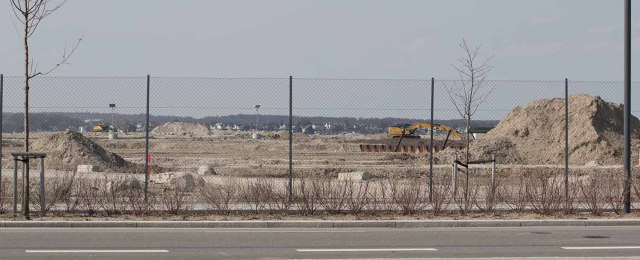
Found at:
[232, 153]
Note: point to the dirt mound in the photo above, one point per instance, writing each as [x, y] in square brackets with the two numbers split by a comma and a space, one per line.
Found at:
[535, 134]
[179, 128]
[67, 150]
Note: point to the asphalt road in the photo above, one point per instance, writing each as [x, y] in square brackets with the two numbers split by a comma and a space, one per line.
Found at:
[479, 243]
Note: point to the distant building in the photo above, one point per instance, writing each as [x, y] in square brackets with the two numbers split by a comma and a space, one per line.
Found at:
[238, 127]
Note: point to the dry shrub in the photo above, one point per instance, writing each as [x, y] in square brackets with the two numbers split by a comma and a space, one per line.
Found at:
[470, 195]
[112, 200]
[173, 201]
[571, 203]
[613, 192]
[5, 196]
[332, 194]
[88, 196]
[306, 195]
[381, 199]
[357, 196]
[278, 199]
[592, 190]
[408, 195]
[56, 189]
[138, 206]
[513, 193]
[635, 186]
[487, 199]
[544, 191]
[256, 193]
[220, 196]
[441, 195]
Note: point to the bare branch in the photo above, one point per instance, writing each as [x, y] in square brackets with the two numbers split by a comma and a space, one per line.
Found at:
[471, 93]
[66, 55]
[451, 94]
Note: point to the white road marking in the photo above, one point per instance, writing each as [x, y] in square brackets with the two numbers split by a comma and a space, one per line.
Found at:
[170, 230]
[599, 247]
[281, 231]
[487, 258]
[311, 250]
[95, 251]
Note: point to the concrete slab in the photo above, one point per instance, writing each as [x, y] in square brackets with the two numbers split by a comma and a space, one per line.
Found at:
[354, 176]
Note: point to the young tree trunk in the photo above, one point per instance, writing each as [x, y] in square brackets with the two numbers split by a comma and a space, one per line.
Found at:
[466, 182]
[26, 78]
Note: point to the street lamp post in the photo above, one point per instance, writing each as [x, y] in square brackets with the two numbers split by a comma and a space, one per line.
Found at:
[257, 107]
[113, 111]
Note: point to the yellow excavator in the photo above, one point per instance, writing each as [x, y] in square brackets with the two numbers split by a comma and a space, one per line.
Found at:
[408, 131]
[102, 127]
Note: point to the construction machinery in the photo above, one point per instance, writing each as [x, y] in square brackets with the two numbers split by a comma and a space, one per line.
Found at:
[478, 132]
[102, 128]
[408, 131]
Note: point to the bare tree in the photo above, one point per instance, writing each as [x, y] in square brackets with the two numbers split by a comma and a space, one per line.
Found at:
[30, 13]
[469, 92]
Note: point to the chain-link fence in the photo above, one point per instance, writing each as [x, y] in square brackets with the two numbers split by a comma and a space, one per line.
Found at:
[222, 144]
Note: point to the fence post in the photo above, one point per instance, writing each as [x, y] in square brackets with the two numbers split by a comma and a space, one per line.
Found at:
[42, 188]
[15, 188]
[290, 138]
[627, 106]
[566, 142]
[493, 173]
[431, 145]
[146, 146]
[455, 176]
[25, 189]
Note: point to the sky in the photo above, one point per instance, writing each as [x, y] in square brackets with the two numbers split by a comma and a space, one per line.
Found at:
[361, 39]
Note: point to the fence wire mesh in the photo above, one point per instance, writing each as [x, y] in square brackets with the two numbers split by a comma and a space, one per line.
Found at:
[221, 144]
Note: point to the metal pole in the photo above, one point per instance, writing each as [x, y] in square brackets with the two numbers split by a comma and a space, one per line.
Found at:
[431, 146]
[42, 194]
[113, 123]
[25, 185]
[455, 176]
[493, 173]
[290, 138]
[15, 187]
[627, 105]
[566, 141]
[146, 146]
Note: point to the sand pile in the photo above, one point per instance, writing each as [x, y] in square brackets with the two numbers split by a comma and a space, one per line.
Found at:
[535, 134]
[67, 150]
[179, 129]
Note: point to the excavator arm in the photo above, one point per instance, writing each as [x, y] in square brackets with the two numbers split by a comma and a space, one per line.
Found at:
[408, 130]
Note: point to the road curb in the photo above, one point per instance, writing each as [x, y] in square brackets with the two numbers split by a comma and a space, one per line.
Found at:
[319, 224]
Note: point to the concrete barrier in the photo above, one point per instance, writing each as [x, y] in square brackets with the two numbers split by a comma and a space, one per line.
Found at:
[87, 168]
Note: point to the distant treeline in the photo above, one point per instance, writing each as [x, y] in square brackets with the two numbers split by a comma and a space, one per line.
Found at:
[13, 122]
